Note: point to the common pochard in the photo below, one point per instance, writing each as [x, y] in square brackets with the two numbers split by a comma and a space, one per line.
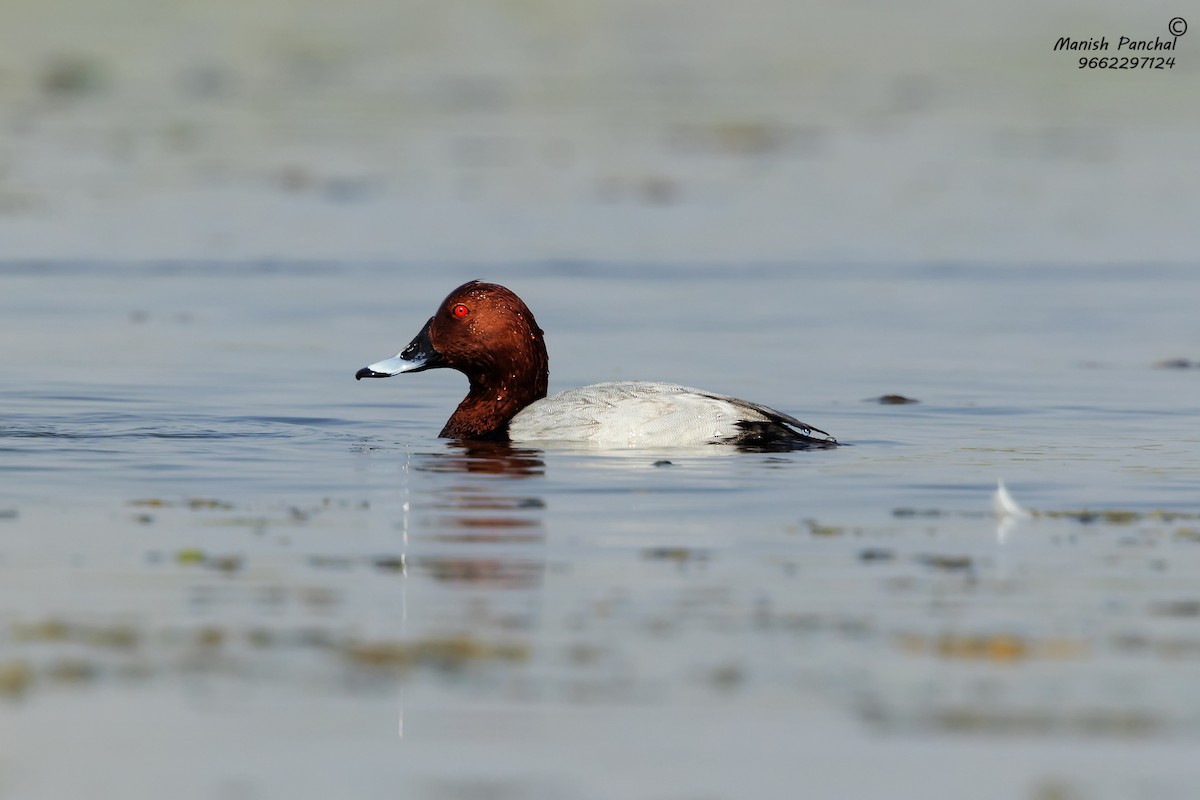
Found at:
[487, 333]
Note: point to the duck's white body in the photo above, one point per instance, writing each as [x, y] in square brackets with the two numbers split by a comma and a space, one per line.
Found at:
[642, 414]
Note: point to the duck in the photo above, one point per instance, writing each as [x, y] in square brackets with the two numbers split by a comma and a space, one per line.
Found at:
[485, 331]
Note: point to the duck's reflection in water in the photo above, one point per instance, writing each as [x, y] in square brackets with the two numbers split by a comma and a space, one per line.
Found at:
[484, 458]
[482, 516]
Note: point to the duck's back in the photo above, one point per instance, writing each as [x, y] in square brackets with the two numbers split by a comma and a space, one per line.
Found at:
[651, 414]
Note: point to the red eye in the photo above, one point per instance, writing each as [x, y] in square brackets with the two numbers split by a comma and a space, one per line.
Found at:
[461, 311]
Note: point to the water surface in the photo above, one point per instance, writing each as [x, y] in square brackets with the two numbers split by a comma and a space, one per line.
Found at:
[214, 541]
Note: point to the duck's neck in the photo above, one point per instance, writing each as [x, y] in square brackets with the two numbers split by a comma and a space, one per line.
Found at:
[495, 399]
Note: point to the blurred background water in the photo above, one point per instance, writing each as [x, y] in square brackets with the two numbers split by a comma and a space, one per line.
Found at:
[228, 570]
[661, 131]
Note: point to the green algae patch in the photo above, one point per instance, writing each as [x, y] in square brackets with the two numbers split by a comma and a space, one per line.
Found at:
[443, 654]
[998, 648]
[946, 563]
[117, 636]
[727, 677]
[210, 637]
[1089, 721]
[193, 503]
[1116, 516]
[15, 678]
[230, 563]
[389, 563]
[72, 670]
[195, 557]
[911, 513]
[190, 555]
[679, 555]
[817, 529]
[47, 630]
[208, 503]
